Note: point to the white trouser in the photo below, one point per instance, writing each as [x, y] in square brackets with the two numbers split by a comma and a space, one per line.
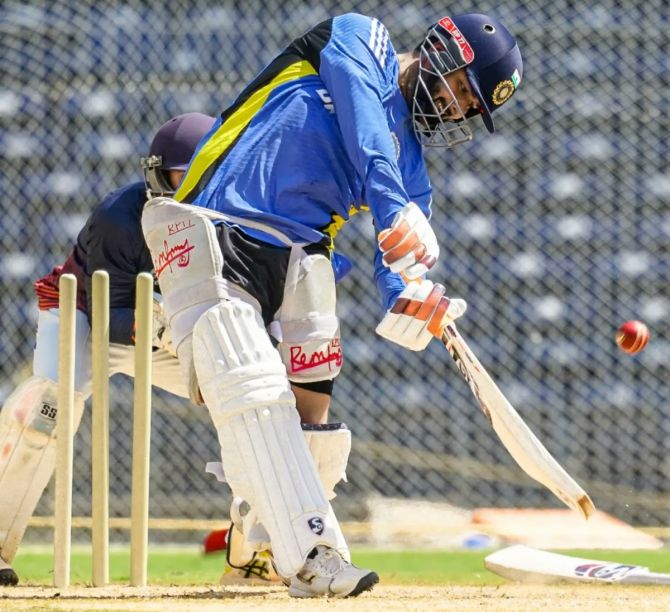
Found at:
[166, 373]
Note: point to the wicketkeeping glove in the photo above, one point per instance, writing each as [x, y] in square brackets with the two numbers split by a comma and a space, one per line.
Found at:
[409, 245]
[420, 312]
[161, 337]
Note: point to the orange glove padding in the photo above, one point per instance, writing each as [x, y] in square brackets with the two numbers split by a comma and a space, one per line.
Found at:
[409, 246]
[420, 312]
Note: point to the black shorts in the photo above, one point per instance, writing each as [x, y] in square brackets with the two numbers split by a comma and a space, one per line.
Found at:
[258, 267]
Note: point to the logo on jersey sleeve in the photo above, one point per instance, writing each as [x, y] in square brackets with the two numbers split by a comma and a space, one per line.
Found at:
[326, 99]
[379, 41]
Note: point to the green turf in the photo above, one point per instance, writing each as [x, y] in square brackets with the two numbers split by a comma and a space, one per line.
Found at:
[467, 567]
[427, 567]
[166, 566]
[188, 566]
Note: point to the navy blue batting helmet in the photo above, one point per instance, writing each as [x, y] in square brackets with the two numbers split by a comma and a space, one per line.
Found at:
[172, 148]
[492, 61]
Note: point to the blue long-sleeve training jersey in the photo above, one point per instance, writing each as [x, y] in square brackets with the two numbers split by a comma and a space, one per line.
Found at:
[321, 133]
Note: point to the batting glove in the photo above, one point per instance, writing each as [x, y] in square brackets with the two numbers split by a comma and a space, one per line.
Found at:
[409, 246]
[420, 312]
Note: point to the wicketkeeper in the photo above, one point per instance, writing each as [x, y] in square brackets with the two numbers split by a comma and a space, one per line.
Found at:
[111, 240]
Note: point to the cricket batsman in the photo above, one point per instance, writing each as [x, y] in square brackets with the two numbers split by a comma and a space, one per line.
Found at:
[336, 124]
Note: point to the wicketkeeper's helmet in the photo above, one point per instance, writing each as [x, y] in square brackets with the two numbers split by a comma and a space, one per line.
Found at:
[492, 61]
[172, 149]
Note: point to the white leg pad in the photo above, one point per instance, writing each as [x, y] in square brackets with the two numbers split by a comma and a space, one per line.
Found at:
[263, 450]
[330, 446]
[255, 537]
[187, 262]
[27, 455]
[340, 541]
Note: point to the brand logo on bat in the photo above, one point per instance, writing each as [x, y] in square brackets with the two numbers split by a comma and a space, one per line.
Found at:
[604, 571]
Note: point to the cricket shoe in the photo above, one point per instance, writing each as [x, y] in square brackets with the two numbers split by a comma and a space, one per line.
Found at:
[8, 576]
[244, 565]
[259, 571]
[327, 574]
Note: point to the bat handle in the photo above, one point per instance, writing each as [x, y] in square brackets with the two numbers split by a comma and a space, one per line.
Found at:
[448, 335]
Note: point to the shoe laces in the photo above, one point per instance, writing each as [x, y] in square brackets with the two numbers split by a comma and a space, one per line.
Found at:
[324, 561]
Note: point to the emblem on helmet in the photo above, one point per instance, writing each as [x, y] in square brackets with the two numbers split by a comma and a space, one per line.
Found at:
[505, 89]
[502, 92]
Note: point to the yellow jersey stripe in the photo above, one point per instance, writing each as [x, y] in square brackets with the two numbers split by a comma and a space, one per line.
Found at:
[338, 222]
[228, 132]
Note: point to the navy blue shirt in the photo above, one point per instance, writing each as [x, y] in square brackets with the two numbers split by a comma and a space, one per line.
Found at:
[112, 240]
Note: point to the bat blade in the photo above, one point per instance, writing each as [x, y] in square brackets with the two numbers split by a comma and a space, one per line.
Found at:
[529, 565]
[522, 444]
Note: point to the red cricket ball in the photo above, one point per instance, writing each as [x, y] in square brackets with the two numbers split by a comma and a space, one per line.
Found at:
[632, 336]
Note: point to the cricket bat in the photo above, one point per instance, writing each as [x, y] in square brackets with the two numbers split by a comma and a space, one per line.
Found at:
[530, 565]
[519, 440]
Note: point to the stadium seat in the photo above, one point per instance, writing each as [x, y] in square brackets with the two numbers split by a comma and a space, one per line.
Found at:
[15, 103]
[110, 146]
[17, 266]
[17, 145]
